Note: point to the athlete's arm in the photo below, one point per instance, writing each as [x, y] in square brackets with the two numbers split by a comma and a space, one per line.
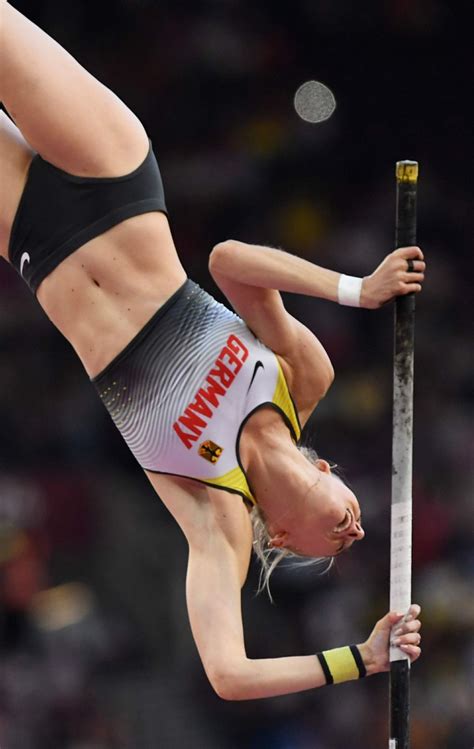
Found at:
[214, 605]
[266, 267]
[261, 306]
[251, 276]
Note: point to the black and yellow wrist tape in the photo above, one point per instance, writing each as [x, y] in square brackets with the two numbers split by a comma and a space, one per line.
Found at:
[342, 664]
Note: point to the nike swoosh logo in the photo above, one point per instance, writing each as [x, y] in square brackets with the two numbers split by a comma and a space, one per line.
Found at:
[25, 258]
[257, 367]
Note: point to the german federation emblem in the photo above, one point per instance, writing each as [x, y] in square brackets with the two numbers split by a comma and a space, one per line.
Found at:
[210, 451]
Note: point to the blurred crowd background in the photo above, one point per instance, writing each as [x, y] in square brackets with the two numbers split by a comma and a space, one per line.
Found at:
[95, 646]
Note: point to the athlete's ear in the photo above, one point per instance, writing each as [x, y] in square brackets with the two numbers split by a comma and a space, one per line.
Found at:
[279, 540]
[323, 465]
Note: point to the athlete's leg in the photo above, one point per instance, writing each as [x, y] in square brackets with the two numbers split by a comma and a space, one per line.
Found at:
[64, 113]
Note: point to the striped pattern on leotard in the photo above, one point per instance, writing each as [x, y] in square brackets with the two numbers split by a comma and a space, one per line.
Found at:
[181, 390]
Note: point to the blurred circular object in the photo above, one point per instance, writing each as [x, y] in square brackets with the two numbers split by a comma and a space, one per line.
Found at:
[314, 101]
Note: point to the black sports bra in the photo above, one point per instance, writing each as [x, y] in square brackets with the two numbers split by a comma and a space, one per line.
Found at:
[59, 212]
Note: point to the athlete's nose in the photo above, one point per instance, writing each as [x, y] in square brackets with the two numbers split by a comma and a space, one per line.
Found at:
[356, 532]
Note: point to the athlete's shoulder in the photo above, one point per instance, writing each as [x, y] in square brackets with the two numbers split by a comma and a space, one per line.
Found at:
[308, 371]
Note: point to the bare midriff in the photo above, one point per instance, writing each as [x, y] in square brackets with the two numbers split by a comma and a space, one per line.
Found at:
[102, 295]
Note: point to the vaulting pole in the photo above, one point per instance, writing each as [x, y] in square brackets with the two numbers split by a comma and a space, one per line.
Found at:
[402, 451]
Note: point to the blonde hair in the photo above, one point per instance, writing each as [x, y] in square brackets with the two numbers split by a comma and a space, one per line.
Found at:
[270, 557]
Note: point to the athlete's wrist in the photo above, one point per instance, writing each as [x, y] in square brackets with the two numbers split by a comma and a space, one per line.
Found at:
[349, 289]
[368, 659]
[342, 664]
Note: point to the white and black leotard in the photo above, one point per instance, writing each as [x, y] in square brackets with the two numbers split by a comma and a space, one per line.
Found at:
[182, 390]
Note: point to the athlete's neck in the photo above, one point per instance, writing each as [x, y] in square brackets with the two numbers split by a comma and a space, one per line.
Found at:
[271, 462]
[264, 432]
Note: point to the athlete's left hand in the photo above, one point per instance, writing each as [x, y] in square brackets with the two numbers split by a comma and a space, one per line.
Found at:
[406, 636]
[393, 277]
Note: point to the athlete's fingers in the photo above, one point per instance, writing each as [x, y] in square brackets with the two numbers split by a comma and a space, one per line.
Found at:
[411, 641]
[412, 253]
[411, 277]
[406, 627]
[407, 630]
[408, 288]
[416, 266]
[389, 620]
[411, 638]
[419, 266]
[413, 612]
[413, 651]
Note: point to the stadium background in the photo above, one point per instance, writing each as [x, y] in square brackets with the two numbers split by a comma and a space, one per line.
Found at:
[95, 647]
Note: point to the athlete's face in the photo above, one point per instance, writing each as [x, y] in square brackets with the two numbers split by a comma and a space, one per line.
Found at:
[329, 519]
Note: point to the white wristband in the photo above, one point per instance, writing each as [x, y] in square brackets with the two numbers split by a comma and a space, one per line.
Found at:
[349, 290]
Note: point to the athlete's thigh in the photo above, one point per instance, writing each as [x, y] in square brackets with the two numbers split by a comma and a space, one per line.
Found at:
[15, 158]
[64, 113]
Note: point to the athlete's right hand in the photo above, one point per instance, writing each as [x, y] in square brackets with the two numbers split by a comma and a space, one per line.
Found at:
[405, 633]
[393, 278]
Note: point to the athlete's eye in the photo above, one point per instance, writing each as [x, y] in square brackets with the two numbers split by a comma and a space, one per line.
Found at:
[344, 524]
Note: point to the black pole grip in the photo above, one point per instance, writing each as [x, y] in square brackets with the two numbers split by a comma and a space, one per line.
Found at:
[405, 236]
[399, 705]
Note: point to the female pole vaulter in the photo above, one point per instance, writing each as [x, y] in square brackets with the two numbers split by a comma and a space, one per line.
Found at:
[211, 403]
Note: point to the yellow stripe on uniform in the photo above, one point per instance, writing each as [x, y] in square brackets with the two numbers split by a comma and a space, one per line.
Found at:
[282, 399]
[234, 479]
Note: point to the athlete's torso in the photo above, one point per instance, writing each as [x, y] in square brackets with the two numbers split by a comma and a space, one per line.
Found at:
[182, 391]
[100, 296]
[103, 294]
